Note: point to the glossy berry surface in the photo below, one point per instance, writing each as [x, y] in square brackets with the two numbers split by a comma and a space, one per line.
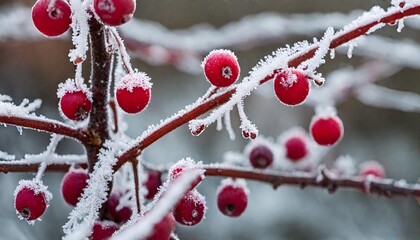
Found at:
[221, 68]
[326, 131]
[120, 214]
[291, 87]
[373, 168]
[232, 200]
[75, 105]
[114, 12]
[152, 183]
[30, 204]
[163, 229]
[190, 209]
[133, 93]
[73, 184]
[54, 21]
[295, 148]
[261, 156]
[103, 230]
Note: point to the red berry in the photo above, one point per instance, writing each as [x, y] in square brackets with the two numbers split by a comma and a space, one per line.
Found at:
[103, 230]
[163, 229]
[373, 168]
[153, 183]
[326, 131]
[232, 197]
[73, 184]
[221, 68]
[134, 92]
[261, 156]
[114, 12]
[120, 213]
[176, 170]
[190, 209]
[75, 105]
[291, 87]
[31, 199]
[296, 148]
[54, 21]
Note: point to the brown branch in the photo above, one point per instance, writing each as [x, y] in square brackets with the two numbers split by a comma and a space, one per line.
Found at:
[135, 164]
[208, 105]
[114, 114]
[45, 125]
[32, 167]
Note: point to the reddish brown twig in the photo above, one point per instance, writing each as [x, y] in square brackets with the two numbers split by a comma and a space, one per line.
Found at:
[135, 164]
[114, 114]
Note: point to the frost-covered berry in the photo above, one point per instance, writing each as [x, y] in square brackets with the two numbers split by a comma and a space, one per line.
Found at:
[120, 212]
[75, 105]
[152, 183]
[163, 229]
[103, 230]
[261, 156]
[114, 12]
[373, 168]
[326, 131]
[221, 67]
[191, 209]
[73, 184]
[232, 197]
[31, 199]
[134, 92]
[296, 148]
[176, 170]
[51, 20]
[291, 87]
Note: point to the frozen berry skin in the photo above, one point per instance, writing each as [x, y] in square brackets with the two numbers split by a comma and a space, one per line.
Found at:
[103, 230]
[114, 12]
[327, 131]
[295, 148]
[163, 230]
[120, 214]
[190, 209]
[153, 183]
[372, 168]
[75, 105]
[51, 22]
[221, 68]
[261, 156]
[73, 184]
[29, 204]
[232, 200]
[133, 92]
[291, 87]
[177, 170]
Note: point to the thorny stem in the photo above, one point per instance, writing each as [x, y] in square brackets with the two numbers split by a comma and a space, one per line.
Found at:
[101, 66]
[210, 104]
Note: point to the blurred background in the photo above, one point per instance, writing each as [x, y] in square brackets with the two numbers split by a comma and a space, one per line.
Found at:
[32, 66]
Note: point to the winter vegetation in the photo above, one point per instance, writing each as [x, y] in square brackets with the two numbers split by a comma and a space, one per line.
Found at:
[335, 115]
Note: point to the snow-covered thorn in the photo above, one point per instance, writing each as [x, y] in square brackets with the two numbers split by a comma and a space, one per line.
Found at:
[367, 183]
[196, 127]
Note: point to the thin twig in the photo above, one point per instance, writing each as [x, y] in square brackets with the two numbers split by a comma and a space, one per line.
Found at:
[135, 164]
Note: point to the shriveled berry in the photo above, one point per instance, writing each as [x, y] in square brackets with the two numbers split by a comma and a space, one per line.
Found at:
[373, 168]
[296, 148]
[163, 229]
[326, 131]
[73, 184]
[114, 12]
[261, 156]
[120, 214]
[51, 21]
[153, 183]
[31, 199]
[232, 198]
[190, 209]
[221, 68]
[103, 230]
[75, 105]
[134, 92]
[291, 87]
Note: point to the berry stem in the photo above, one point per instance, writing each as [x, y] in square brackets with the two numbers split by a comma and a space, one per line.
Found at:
[101, 67]
[222, 98]
[114, 114]
[135, 164]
